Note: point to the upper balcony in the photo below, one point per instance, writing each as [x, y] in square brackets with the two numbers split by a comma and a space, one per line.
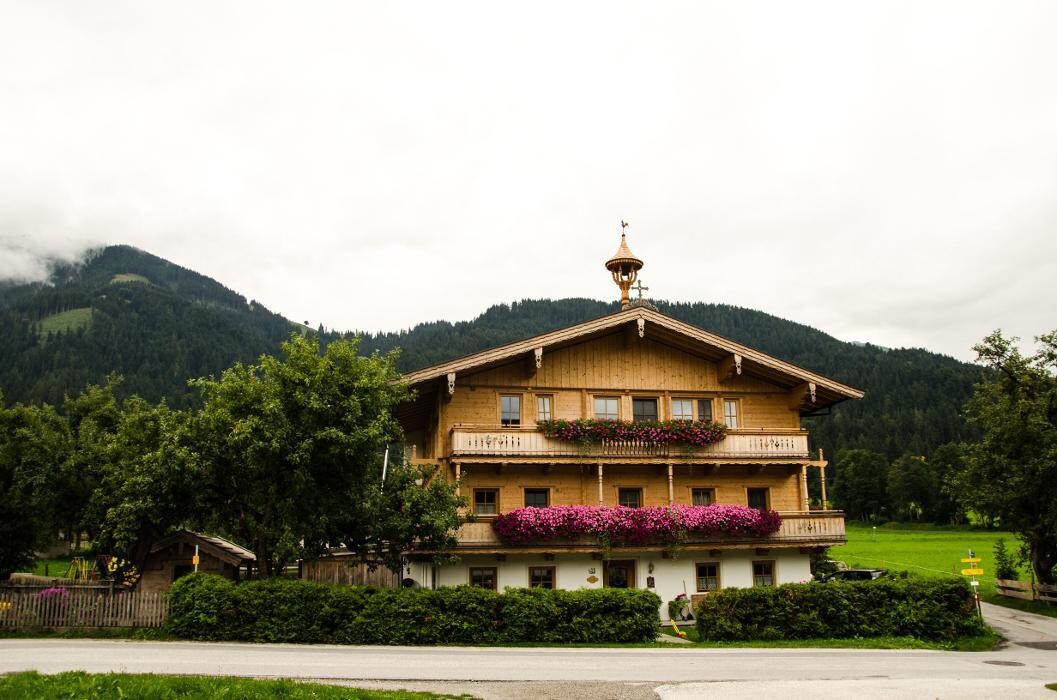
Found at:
[491, 441]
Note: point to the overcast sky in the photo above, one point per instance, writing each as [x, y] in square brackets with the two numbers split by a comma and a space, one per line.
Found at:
[886, 171]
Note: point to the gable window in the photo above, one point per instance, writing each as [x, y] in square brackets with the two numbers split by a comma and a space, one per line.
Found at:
[730, 413]
[541, 577]
[682, 409]
[630, 498]
[607, 408]
[643, 410]
[702, 497]
[704, 409]
[537, 498]
[510, 410]
[484, 577]
[763, 573]
[708, 576]
[759, 498]
[543, 407]
[485, 501]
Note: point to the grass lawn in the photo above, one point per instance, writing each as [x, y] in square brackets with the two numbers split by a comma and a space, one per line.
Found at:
[936, 552]
[78, 684]
[57, 566]
[933, 551]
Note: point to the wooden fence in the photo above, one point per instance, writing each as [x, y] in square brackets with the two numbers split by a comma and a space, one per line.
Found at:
[1026, 591]
[348, 572]
[81, 608]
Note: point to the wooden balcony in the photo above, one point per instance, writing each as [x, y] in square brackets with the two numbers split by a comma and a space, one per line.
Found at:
[529, 442]
[798, 530]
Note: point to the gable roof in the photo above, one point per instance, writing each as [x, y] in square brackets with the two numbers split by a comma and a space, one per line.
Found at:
[660, 328]
[222, 549]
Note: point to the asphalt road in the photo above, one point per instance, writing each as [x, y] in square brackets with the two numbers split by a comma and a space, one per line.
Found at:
[1018, 670]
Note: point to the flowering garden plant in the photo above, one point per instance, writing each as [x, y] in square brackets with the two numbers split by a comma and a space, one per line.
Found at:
[667, 432]
[635, 526]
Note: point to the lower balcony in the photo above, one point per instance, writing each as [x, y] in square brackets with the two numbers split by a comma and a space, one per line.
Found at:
[798, 529]
[528, 442]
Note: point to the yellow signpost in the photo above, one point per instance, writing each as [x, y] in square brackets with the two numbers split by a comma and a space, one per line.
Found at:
[974, 562]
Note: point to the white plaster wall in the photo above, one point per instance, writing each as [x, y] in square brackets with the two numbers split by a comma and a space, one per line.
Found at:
[671, 576]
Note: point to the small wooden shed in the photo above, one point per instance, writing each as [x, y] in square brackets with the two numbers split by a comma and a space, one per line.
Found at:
[172, 557]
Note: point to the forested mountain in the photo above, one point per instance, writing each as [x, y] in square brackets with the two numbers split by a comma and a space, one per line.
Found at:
[122, 310]
[126, 311]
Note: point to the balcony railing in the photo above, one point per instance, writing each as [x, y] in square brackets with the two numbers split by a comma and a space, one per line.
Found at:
[805, 529]
[797, 528]
[529, 442]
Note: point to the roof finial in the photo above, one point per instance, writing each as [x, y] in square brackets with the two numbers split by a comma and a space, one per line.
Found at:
[624, 266]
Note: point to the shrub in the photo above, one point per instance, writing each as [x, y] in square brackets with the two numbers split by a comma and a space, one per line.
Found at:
[933, 609]
[212, 608]
[1005, 563]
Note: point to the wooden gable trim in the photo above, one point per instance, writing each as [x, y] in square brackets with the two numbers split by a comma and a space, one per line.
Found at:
[639, 319]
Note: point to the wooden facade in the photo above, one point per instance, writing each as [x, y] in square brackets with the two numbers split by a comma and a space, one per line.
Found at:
[476, 419]
[634, 355]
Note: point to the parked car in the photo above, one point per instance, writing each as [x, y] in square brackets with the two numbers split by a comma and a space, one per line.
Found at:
[856, 575]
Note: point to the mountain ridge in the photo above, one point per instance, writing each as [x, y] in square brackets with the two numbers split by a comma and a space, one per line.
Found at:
[159, 324]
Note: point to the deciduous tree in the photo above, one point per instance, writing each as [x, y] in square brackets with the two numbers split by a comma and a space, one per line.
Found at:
[1012, 470]
[289, 458]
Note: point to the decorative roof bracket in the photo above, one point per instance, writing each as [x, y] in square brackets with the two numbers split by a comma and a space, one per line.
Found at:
[728, 367]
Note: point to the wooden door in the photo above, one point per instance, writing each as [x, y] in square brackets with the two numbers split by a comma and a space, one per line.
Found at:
[619, 573]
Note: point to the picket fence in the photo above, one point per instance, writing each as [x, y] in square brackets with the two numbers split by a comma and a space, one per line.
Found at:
[81, 608]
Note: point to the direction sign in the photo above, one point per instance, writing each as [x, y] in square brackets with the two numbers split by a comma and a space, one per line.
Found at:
[972, 572]
[970, 560]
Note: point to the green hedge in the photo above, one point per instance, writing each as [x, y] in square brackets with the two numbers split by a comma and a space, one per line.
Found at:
[932, 609]
[207, 607]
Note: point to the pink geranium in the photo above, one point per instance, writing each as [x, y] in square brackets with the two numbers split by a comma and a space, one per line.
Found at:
[670, 432]
[635, 526]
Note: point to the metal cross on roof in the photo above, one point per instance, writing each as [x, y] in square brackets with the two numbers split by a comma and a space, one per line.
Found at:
[640, 289]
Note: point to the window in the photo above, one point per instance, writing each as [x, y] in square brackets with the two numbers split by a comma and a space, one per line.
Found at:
[630, 498]
[682, 409]
[483, 577]
[607, 408]
[763, 573]
[485, 501]
[730, 413]
[541, 577]
[708, 576]
[510, 410]
[759, 498]
[704, 409]
[702, 497]
[643, 410]
[537, 498]
[543, 407]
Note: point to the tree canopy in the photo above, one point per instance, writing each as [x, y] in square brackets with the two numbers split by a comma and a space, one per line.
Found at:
[1011, 472]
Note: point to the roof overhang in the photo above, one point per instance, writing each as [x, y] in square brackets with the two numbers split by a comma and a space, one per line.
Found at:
[813, 390]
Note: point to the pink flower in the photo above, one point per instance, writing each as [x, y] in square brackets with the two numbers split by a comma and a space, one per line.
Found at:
[635, 526]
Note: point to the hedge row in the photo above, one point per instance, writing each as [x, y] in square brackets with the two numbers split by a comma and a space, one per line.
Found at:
[207, 607]
[933, 609]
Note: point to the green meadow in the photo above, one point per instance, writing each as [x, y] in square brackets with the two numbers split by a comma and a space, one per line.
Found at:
[928, 552]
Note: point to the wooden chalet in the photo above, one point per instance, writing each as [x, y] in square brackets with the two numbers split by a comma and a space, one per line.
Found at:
[476, 417]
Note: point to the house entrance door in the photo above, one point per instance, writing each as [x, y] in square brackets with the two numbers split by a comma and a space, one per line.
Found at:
[619, 573]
